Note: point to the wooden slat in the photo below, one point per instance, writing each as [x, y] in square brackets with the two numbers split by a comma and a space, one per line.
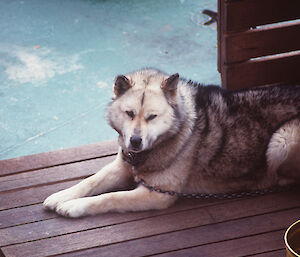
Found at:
[241, 208]
[49, 159]
[189, 238]
[220, 35]
[244, 14]
[262, 42]
[23, 215]
[29, 196]
[55, 174]
[61, 226]
[234, 248]
[276, 253]
[33, 213]
[245, 207]
[164, 224]
[263, 71]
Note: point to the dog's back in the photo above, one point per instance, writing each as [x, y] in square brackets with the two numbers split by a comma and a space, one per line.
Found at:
[238, 127]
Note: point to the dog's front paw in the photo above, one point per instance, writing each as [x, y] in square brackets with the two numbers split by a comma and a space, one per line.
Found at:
[55, 199]
[74, 208]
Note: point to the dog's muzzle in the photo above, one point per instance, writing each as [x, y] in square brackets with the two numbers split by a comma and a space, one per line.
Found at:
[136, 142]
[133, 158]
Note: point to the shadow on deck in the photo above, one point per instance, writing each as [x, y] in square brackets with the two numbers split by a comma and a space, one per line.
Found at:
[237, 227]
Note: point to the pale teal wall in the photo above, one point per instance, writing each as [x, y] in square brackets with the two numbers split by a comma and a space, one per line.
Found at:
[58, 59]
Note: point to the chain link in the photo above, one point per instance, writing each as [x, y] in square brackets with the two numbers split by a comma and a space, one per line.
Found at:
[234, 195]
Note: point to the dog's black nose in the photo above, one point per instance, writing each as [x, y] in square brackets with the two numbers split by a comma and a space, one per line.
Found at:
[136, 141]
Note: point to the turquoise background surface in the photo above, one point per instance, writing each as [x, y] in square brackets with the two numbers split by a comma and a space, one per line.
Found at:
[58, 60]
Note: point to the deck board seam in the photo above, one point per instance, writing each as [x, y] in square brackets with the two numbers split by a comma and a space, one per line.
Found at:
[175, 250]
[210, 204]
[220, 241]
[259, 254]
[27, 223]
[41, 185]
[162, 233]
[109, 225]
[57, 165]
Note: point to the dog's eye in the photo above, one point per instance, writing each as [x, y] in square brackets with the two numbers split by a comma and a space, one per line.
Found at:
[151, 117]
[130, 114]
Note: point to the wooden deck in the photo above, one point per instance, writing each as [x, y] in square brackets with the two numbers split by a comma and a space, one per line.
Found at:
[238, 227]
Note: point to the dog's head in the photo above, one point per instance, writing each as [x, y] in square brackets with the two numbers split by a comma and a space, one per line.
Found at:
[144, 110]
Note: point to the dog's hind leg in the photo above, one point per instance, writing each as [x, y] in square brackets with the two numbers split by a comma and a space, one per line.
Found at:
[113, 176]
[283, 154]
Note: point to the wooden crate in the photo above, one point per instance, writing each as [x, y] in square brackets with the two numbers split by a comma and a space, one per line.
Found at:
[258, 42]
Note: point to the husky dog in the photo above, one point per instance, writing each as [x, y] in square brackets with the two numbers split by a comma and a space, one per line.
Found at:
[182, 136]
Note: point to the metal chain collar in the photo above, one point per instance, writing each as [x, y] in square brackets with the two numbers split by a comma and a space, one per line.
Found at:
[275, 189]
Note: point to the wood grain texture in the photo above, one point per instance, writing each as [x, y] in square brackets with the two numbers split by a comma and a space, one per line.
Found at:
[33, 195]
[242, 36]
[54, 174]
[238, 247]
[191, 227]
[189, 238]
[33, 213]
[264, 71]
[261, 42]
[198, 235]
[49, 159]
[62, 226]
[244, 14]
[24, 215]
[268, 203]
[275, 253]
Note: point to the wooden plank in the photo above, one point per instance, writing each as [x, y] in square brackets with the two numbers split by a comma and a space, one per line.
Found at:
[23, 215]
[33, 195]
[263, 71]
[234, 248]
[261, 42]
[49, 159]
[220, 34]
[29, 196]
[154, 226]
[276, 253]
[274, 202]
[54, 174]
[33, 213]
[190, 237]
[243, 14]
[61, 225]
[105, 235]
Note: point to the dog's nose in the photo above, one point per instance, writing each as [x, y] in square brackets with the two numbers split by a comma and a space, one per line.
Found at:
[136, 141]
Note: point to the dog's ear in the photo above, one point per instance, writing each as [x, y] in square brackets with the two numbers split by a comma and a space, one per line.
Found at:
[169, 85]
[122, 84]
